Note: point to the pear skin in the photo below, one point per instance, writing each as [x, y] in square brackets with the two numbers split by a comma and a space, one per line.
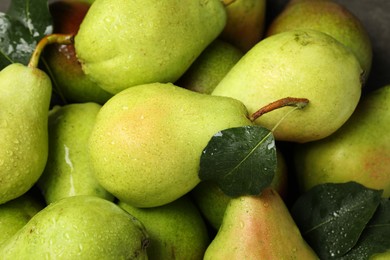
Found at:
[25, 94]
[258, 227]
[358, 151]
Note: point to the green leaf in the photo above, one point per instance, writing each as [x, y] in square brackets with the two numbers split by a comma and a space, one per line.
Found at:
[375, 237]
[241, 160]
[332, 216]
[21, 28]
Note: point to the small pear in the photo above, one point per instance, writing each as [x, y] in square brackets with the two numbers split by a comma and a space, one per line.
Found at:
[329, 17]
[25, 94]
[147, 141]
[68, 171]
[210, 67]
[138, 42]
[258, 227]
[358, 151]
[79, 227]
[176, 230]
[297, 63]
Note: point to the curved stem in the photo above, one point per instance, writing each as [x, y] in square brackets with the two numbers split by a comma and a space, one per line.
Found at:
[48, 39]
[227, 2]
[288, 101]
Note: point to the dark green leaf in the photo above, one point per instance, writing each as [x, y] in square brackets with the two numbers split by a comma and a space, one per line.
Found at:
[332, 216]
[21, 28]
[375, 237]
[242, 160]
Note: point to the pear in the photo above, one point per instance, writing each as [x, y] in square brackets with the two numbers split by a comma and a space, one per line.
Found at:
[70, 81]
[25, 94]
[16, 213]
[148, 139]
[176, 230]
[126, 43]
[245, 23]
[258, 227]
[210, 67]
[297, 63]
[68, 171]
[329, 17]
[358, 151]
[212, 201]
[79, 227]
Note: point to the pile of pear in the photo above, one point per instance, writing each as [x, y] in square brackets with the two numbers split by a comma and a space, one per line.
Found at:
[101, 149]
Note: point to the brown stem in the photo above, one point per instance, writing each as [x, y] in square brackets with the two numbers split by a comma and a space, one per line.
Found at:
[288, 101]
[227, 2]
[48, 39]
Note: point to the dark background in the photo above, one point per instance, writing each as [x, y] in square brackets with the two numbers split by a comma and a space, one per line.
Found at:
[375, 16]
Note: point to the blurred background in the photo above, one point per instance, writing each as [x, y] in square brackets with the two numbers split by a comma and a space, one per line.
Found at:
[375, 16]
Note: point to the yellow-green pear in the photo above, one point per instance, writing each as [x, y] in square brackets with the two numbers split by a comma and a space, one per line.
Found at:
[358, 151]
[258, 227]
[25, 94]
[148, 139]
[210, 67]
[125, 43]
[176, 230]
[68, 171]
[303, 64]
[79, 227]
[329, 17]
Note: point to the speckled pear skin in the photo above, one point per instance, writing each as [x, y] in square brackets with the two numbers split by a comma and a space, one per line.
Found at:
[176, 230]
[148, 139]
[68, 171]
[24, 106]
[125, 43]
[79, 227]
[302, 64]
[258, 227]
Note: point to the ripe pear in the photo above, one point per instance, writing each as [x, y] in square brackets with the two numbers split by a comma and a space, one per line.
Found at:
[16, 213]
[258, 227]
[297, 63]
[329, 17]
[69, 78]
[68, 171]
[245, 23]
[79, 227]
[138, 42]
[148, 139]
[25, 94]
[358, 151]
[212, 201]
[210, 67]
[176, 230]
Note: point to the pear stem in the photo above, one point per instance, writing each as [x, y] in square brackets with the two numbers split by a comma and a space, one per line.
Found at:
[227, 2]
[287, 101]
[48, 39]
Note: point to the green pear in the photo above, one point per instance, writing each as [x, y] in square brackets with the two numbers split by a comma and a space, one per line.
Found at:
[210, 67]
[68, 171]
[258, 227]
[25, 94]
[69, 79]
[148, 139]
[329, 17]
[245, 23]
[16, 213]
[297, 63]
[79, 227]
[138, 42]
[212, 201]
[176, 230]
[358, 151]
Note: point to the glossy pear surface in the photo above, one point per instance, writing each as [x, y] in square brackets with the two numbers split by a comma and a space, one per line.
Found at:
[24, 106]
[68, 171]
[138, 42]
[148, 139]
[302, 64]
